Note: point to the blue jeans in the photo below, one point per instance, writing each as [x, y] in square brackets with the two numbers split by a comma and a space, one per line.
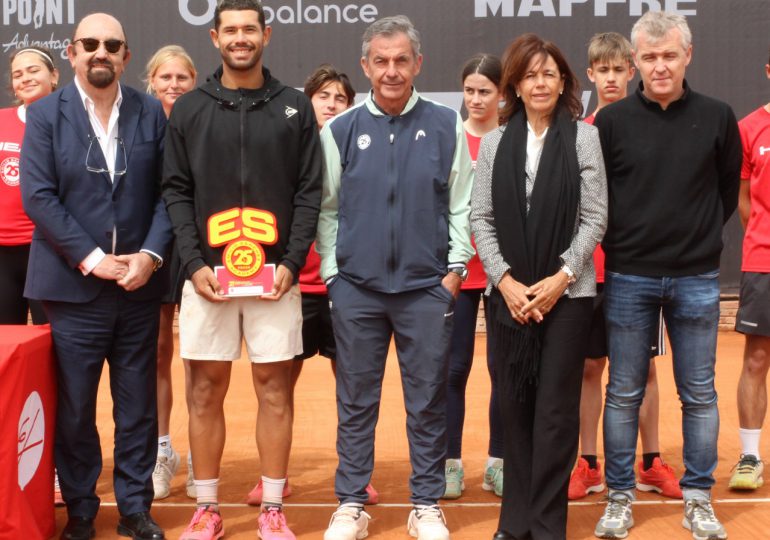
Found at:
[691, 310]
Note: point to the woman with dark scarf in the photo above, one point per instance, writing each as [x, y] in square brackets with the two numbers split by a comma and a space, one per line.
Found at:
[539, 209]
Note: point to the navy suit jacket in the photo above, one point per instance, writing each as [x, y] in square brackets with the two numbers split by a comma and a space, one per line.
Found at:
[74, 210]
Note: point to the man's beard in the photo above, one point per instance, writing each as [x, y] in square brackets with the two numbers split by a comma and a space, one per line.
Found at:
[242, 65]
[102, 78]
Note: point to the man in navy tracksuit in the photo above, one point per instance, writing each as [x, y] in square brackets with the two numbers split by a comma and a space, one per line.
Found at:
[394, 239]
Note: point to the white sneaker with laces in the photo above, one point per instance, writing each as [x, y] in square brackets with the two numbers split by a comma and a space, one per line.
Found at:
[349, 522]
[493, 477]
[699, 518]
[192, 493]
[427, 523]
[165, 469]
[617, 518]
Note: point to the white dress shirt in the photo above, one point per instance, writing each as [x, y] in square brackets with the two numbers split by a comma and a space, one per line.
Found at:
[108, 142]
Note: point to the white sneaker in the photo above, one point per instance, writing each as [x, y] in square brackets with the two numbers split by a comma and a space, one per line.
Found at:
[165, 469]
[427, 523]
[700, 520]
[493, 477]
[192, 493]
[617, 518]
[349, 522]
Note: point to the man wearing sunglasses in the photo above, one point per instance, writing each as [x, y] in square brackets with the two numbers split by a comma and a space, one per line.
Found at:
[91, 166]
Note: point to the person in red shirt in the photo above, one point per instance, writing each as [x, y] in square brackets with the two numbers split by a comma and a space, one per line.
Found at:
[611, 69]
[481, 96]
[753, 317]
[32, 76]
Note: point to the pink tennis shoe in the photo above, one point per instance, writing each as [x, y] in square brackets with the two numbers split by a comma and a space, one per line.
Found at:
[272, 525]
[206, 524]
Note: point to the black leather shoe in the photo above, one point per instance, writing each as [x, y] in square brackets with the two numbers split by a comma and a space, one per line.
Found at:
[78, 528]
[140, 526]
[502, 535]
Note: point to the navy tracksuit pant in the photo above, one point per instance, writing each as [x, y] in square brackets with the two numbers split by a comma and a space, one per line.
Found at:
[364, 321]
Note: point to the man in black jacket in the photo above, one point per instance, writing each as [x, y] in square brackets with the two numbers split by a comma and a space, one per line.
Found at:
[242, 183]
[673, 159]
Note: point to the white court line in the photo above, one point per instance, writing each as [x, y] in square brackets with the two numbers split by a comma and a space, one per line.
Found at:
[447, 505]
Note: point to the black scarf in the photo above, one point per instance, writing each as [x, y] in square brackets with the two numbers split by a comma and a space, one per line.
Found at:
[530, 243]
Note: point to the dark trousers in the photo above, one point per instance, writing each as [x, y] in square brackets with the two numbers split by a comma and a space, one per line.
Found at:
[541, 433]
[421, 323]
[460, 361]
[13, 274]
[125, 333]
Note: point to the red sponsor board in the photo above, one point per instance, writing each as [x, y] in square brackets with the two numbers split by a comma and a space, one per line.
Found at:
[27, 416]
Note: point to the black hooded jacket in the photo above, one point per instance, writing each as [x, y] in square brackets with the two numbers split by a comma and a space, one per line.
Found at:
[243, 148]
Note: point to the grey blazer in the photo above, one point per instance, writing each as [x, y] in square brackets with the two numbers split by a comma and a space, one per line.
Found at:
[590, 223]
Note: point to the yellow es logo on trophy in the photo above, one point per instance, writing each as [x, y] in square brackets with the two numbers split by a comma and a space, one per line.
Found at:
[244, 231]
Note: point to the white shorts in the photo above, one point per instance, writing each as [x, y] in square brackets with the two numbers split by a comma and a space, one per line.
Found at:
[214, 331]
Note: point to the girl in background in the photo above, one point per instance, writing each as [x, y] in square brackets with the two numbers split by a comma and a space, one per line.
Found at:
[32, 76]
[481, 95]
[170, 73]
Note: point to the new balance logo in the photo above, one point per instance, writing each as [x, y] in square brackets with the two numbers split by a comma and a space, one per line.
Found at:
[763, 149]
[290, 112]
[420, 133]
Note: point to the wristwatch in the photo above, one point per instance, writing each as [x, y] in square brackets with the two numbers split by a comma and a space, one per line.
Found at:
[461, 271]
[570, 274]
[157, 262]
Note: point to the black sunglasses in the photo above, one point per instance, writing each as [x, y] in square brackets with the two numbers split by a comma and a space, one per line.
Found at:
[91, 44]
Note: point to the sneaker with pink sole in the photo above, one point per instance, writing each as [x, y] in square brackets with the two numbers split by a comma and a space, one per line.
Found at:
[254, 498]
[372, 496]
[206, 524]
[272, 525]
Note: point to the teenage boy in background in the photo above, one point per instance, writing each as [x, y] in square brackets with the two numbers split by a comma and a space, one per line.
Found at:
[752, 318]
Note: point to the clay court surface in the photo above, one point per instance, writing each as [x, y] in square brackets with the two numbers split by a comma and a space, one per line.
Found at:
[474, 516]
